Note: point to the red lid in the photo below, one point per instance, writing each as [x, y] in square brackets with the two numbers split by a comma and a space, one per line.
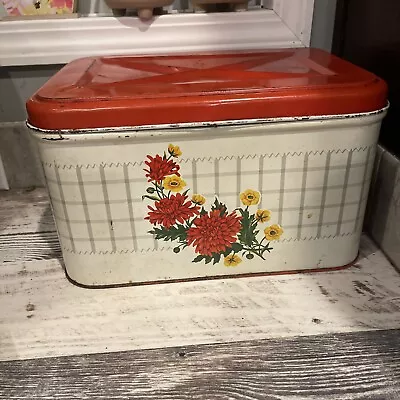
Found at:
[101, 92]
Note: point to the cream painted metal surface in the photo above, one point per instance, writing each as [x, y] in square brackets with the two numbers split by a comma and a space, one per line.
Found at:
[311, 175]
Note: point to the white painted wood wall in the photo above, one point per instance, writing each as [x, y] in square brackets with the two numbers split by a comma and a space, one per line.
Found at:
[282, 23]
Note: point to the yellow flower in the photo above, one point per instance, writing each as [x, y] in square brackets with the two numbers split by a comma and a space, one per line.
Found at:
[198, 199]
[175, 151]
[273, 232]
[174, 183]
[263, 215]
[232, 260]
[250, 197]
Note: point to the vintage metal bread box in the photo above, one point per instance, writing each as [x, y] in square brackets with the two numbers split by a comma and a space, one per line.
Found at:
[183, 167]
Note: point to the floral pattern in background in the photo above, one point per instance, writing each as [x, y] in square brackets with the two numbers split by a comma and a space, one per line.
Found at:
[38, 7]
[215, 234]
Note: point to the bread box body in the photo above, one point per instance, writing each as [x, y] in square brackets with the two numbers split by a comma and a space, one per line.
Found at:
[188, 167]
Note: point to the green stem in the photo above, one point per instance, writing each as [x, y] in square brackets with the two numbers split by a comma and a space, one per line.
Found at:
[250, 250]
[261, 247]
[159, 190]
[190, 223]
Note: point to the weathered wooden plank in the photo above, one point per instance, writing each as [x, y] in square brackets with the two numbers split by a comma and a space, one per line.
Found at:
[42, 314]
[25, 211]
[363, 366]
[27, 230]
[29, 247]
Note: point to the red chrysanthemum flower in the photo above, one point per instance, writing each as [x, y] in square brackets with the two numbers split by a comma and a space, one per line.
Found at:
[213, 232]
[159, 167]
[171, 210]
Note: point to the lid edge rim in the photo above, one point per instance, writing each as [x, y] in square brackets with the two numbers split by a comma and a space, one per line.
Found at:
[209, 124]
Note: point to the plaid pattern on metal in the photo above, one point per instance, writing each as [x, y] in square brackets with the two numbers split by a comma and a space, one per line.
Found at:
[313, 195]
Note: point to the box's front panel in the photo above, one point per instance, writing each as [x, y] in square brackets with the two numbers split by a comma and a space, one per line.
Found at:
[212, 202]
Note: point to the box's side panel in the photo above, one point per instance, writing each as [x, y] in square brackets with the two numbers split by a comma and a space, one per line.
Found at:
[275, 197]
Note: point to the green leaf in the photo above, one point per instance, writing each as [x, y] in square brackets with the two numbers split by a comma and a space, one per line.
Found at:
[198, 258]
[203, 211]
[248, 232]
[170, 234]
[245, 213]
[216, 258]
[185, 192]
[227, 252]
[217, 205]
[146, 196]
[236, 247]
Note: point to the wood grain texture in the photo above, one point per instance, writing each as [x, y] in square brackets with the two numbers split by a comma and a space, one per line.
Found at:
[29, 247]
[362, 366]
[42, 314]
[25, 211]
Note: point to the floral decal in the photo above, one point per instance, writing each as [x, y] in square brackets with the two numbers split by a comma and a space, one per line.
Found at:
[215, 235]
[250, 197]
[273, 232]
[174, 183]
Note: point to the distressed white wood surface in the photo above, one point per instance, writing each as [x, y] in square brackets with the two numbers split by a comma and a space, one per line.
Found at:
[42, 314]
[25, 211]
[29, 247]
[347, 366]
